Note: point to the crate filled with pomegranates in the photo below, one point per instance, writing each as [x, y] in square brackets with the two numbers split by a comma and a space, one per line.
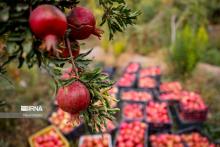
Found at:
[132, 67]
[181, 123]
[158, 116]
[152, 71]
[193, 137]
[192, 107]
[170, 97]
[48, 137]
[98, 140]
[136, 95]
[127, 80]
[62, 120]
[173, 86]
[165, 140]
[147, 83]
[131, 134]
[132, 111]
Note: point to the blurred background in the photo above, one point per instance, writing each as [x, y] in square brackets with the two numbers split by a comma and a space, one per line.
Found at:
[182, 37]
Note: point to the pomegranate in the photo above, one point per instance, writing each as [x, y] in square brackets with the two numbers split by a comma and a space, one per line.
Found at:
[75, 48]
[64, 52]
[73, 98]
[82, 23]
[48, 23]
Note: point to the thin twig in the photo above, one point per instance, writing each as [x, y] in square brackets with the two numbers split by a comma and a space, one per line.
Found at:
[67, 42]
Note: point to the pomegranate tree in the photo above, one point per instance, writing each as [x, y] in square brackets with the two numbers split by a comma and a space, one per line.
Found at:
[43, 33]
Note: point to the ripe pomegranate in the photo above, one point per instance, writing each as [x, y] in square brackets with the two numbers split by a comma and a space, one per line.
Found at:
[75, 48]
[82, 23]
[73, 98]
[48, 23]
[64, 52]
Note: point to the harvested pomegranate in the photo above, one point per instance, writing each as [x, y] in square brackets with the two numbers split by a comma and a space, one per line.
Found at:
[48, 23]
[171, 87]
[95, 141]
[170, 96]
[135, 95]
[133, 111]
[132, 68]
[49, 138]
[60, 118]
[82, 23]
[147, 82]
[195, 139]
[127, 80]
[166, 140]
[131, 134]
[191, 101]
[157, 112]
[73, 98]
[150, 71]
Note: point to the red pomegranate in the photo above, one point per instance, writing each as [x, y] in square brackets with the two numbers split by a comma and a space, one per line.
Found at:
[75, 48]
[73, 98]
[82, 23]
[48, 23]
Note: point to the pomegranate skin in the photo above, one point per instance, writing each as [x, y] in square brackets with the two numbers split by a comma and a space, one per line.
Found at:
[48, 23]
[73, 98]
[82, 23]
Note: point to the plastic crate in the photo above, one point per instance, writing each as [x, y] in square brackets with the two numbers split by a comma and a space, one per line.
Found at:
[133, 83]
[197, 130]
[130, 64]
[154, 75]
[82, 138]
[161, 133]
[169, 101]
[181, 123]
[150, 92]
[75, 133]
[155, 87]
[124, 104]
[193, 115]
[45, 130]
[158, 127]
[130, 121]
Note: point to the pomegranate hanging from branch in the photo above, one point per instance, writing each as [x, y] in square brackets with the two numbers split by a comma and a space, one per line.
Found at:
[42, 33]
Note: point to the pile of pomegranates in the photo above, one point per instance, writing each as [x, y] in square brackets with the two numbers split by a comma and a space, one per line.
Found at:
[131, 134]
[147, 82]
[174, 87]
[136, 95]
[132, 67]
[166, 140]
[95, 141]
[133, 111]
[157, 113]
[150, 71]
[195, 139]
[49, 138]
[192, 107]
[126, 80]
[60, 119]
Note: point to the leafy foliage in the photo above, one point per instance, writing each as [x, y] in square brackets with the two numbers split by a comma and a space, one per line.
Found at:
[188, 49]
[118, 17]
[212, 57]
[20, 46]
